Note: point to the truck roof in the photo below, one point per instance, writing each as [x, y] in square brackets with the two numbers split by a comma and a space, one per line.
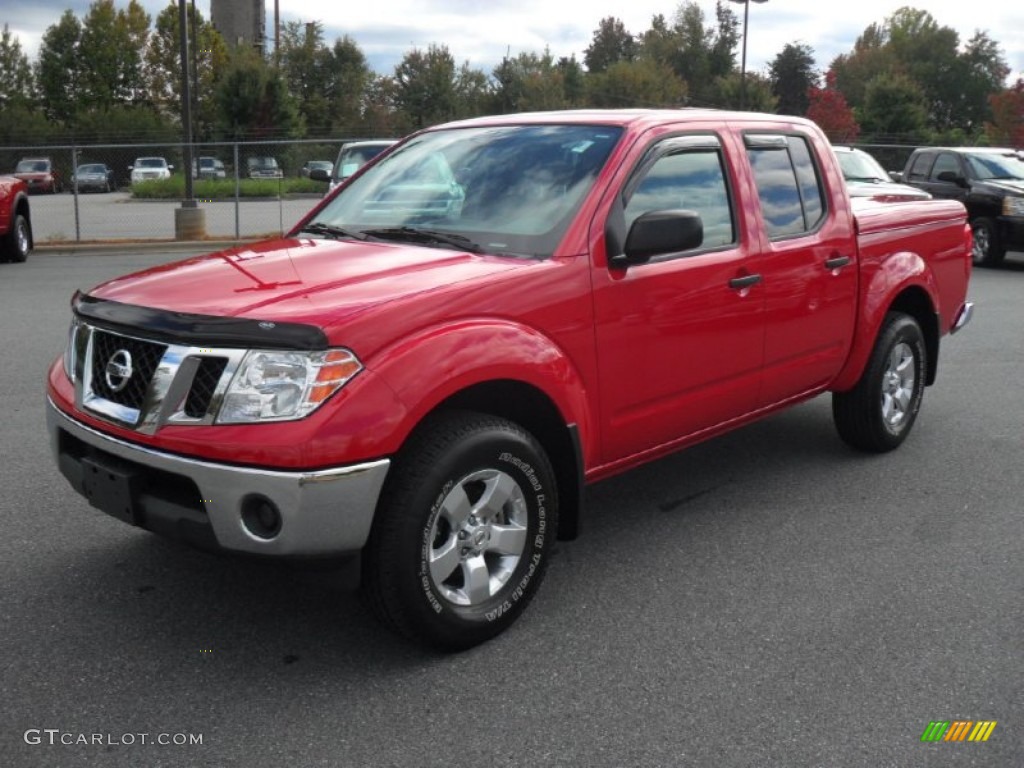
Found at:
[624, 117]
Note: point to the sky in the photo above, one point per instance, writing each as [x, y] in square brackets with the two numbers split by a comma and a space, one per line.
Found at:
[483, 32]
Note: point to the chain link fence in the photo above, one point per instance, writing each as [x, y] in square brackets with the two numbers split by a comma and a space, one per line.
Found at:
[246, 189]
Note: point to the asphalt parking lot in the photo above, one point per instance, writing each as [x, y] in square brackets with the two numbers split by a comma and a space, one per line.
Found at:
[768, 598]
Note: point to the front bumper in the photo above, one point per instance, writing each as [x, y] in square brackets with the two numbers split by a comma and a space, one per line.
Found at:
[321, 512]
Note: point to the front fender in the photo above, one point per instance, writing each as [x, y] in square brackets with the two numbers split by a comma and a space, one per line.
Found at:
[895, 276]
[438, 362]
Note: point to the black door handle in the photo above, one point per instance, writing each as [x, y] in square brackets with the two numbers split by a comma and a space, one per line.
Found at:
[744, 282]
[837, 262]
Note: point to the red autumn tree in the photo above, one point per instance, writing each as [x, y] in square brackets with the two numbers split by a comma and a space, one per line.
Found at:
[828, 108]
[1007, 126]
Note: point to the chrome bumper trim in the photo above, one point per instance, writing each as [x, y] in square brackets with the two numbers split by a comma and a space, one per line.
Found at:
[323, 512]
[963, 316]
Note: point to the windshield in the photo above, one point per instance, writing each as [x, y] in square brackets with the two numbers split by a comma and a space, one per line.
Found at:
[352, 159]
[83, 169]
[32, 166]
[150, 162]
[996, 166]
[505, 189]
[262, 162]
[860, 166]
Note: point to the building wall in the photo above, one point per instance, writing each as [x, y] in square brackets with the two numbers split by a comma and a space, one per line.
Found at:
[240, 22]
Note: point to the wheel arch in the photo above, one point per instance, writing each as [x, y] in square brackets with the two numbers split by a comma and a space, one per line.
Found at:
[21, 206]
[916, 302]
[533, 410]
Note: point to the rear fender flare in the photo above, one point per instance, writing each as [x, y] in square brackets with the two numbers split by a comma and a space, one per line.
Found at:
[899, 274]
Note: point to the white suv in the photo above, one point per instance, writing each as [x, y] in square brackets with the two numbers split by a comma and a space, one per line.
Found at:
[149, 168]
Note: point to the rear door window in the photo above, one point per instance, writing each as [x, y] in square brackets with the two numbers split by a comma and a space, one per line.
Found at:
[788, 186]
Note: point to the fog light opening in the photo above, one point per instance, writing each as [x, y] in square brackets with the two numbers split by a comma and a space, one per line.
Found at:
[261, 517]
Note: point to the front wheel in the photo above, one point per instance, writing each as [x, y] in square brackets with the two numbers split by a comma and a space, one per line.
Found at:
[463, 531]
[878, 413]
[17, 243]
[988, 250]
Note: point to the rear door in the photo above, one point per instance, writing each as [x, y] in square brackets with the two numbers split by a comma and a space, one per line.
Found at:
[809, 263]
[679, 338]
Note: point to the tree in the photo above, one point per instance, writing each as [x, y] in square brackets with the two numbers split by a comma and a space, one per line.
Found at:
[636, 84]
[253, 101]
[101, 49]
[529, 82]
[349, 79]
[792, 76]
[15, 73]
[163, 63]
[133, 25]
[59, 68]
[894, 109]
[611, 43]
[425, 86]
[1007, 126]
[758, 97]
[828, 108]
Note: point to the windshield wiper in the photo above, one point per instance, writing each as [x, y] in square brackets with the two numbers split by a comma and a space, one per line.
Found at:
[414, 235]
[329, 230]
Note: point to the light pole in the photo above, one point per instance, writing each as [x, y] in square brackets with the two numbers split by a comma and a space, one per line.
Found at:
[743, 65]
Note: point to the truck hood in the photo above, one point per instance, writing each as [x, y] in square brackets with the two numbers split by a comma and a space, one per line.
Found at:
[317, 282]
[1004, 186]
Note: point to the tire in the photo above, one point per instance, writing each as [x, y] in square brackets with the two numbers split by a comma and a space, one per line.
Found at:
[17, 243]
[463, 531]
[878, 413]
[988, 251]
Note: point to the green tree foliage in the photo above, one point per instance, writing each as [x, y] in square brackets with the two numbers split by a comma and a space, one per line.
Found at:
[701, 55]
[125, 123]
[111, 46]
[611, 44]
[828, 108]
[894, 109]
[253, 101]
[757, 98]
[349, 80]
[954, 81]
[163, 63]
[59, 69]
[16, 82]
[792, 76]
[427, 87]
[529, 83]
[641, 83]
[573, 81]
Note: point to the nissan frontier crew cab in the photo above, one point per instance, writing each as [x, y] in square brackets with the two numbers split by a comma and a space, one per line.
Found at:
[433, 363]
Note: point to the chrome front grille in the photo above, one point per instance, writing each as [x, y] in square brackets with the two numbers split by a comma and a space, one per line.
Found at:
[145, 384]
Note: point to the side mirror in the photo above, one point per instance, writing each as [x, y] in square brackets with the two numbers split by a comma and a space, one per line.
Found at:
[319, 174]
[658, 232]
[896, 175]
[170, 167]
[951, 178]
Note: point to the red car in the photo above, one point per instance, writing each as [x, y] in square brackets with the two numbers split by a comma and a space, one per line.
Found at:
[39, 174]
[433, 364]
[15, 222]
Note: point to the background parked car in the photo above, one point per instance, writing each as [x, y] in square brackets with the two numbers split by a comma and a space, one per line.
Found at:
[94, 176]
[39, 174]
[989, 181]
[353, 155]
[263, 168]
[150, 168]
[209, 168]
[865, 177]
[321, 165]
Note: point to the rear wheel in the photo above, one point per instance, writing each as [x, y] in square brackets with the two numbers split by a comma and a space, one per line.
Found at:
[17, 242]
[463, 531]
[878, 413]
[988, 250]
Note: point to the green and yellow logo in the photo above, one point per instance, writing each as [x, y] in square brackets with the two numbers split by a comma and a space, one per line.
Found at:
[958, 730]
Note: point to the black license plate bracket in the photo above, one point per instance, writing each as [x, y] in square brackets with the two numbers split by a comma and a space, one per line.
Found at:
[109, 486]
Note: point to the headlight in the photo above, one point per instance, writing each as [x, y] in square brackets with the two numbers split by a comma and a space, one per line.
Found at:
[70, 351]
[280, 386]
[1013, 206]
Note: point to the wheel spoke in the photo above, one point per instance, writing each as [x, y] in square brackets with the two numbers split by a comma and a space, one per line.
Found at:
[456, 507]
[508, 539]
[478, 579]
[444, 561]
[499, 491]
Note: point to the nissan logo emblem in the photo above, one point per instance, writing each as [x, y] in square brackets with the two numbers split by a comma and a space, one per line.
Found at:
[119, 370]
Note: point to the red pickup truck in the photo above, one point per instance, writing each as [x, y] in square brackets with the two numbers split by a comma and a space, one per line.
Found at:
[433, 363]
[15, 222]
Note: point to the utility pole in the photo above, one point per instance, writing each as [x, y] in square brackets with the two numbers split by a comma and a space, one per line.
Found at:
[743, 65]
[189, 219]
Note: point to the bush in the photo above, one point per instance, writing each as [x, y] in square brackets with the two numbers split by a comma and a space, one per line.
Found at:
[224, 189]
